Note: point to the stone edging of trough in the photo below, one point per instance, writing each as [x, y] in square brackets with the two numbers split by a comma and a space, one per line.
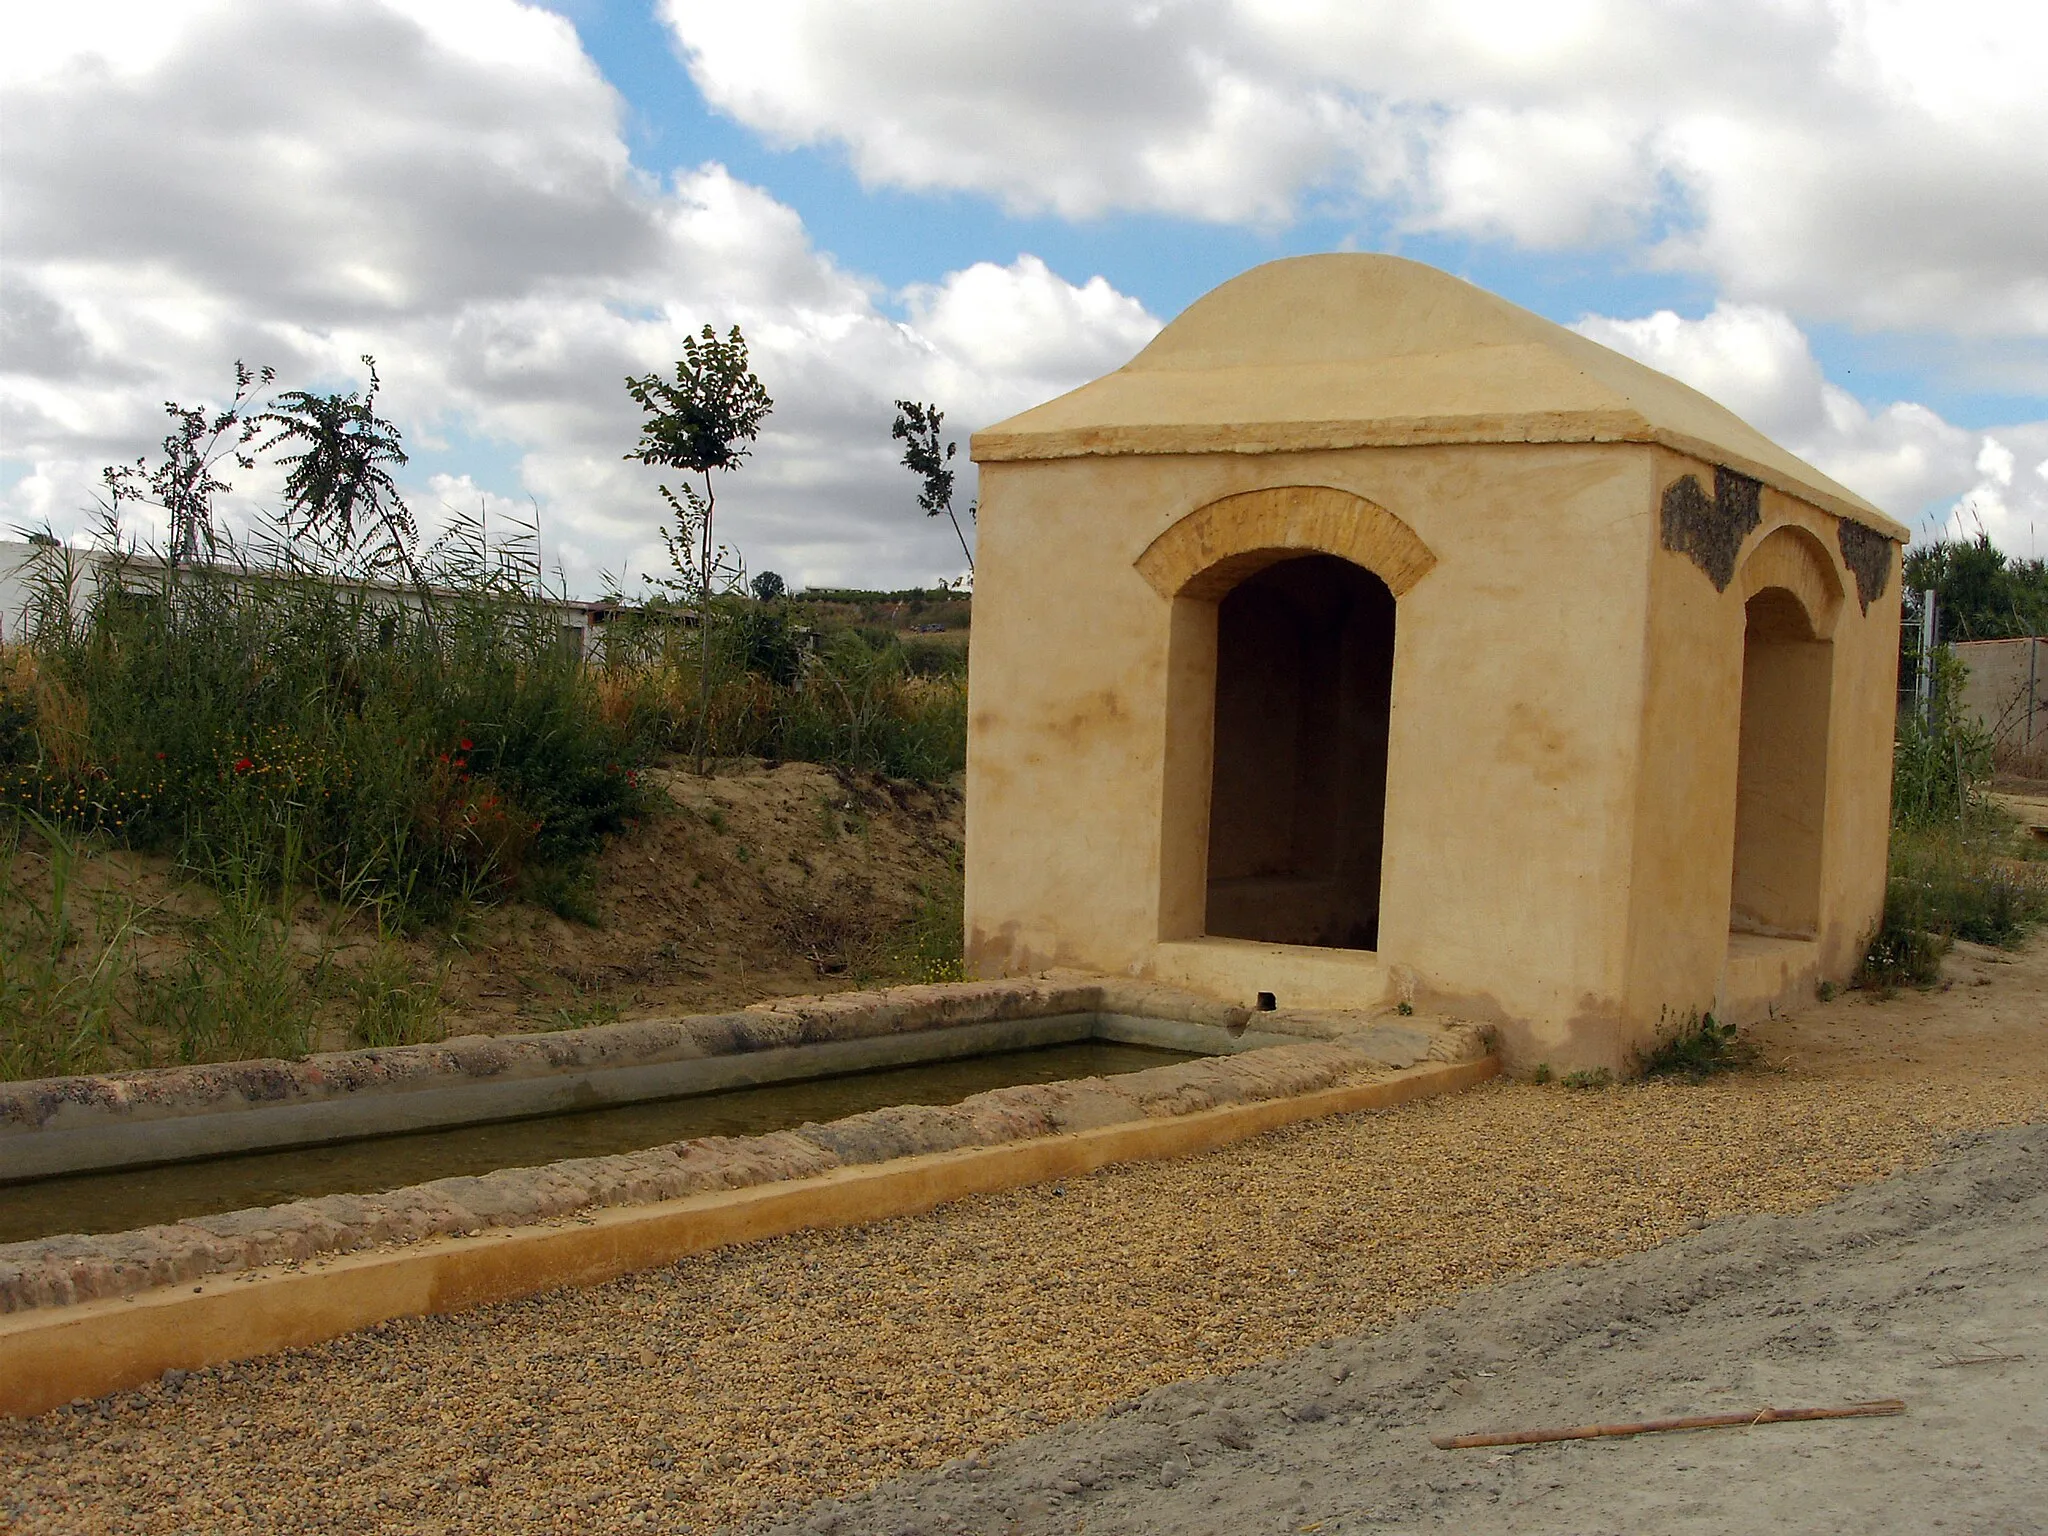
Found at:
[51, 1355]
[62, 1103]
[66, 1270]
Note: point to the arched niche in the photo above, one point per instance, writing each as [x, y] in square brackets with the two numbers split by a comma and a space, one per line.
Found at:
[1795, 560]
[1279, 713]
[1791, 600]
[1215, 547]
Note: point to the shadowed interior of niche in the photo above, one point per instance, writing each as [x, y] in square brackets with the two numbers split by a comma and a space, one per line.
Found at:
[1781, 784]
[1304, 676]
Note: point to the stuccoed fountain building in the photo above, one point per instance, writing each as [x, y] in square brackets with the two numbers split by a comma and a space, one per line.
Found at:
[1369, 639]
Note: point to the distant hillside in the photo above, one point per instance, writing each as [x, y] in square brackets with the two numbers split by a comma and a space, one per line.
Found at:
[926, 610]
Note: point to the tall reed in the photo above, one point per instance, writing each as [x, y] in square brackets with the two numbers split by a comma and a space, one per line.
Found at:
[410, 747]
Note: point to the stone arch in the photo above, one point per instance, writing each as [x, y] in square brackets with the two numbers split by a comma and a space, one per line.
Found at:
[1278, 713]
[1791, 597]
[1791, 558]
[1212, 549]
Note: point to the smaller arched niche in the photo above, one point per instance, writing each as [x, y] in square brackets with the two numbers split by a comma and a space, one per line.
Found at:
[1792, 598]
[1279, 720]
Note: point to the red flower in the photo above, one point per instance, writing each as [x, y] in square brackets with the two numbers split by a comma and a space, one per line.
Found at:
[243, 764]
[465, 743]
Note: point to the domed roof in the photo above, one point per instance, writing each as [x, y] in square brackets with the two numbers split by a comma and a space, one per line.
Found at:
[1353, 350]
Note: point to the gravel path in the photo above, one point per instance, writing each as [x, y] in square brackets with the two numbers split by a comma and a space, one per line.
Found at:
[737, 1387]
[1927, 1288]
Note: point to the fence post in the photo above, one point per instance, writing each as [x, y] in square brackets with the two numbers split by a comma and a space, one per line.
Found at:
[1923, 680]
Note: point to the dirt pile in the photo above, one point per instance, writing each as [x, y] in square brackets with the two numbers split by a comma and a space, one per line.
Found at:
[759, 881]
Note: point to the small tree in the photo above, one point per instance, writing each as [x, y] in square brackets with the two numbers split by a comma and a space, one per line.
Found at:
[339, 489]
[917, 427]
[767, 587]
[706, 420]
[184, 484]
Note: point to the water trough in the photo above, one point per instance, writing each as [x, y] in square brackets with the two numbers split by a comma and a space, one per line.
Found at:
[84, 1314]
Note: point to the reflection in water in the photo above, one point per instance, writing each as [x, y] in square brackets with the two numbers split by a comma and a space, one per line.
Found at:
[115, 1202]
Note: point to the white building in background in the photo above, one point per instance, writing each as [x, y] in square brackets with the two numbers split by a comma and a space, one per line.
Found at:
[582, 623]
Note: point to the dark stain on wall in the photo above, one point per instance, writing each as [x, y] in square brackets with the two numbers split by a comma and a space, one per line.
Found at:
[1868, 554]
[1711, 532]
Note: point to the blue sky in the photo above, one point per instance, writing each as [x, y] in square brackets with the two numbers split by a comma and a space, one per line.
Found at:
[901, 238]
[1818, 214]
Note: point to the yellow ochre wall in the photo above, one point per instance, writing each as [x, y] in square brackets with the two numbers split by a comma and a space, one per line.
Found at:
[1517, 688]
[1561, 780]
[1679, 964]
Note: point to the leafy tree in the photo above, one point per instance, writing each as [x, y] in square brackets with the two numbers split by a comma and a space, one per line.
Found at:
[1979, 592]
[338, 489]
[706, 420]
[917, 428]
[768, 587]
[185, 483]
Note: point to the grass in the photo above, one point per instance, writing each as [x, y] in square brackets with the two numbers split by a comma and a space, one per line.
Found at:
[1702, 1047]
[234, 993]
[413, 755]
[79, 993]
[61, 970]
[392, 1004]
[855, 698]
[274, 727]
[930, 946]
[1971, 879]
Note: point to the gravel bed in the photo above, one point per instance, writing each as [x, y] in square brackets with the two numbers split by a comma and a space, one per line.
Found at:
[1925, 1288]
[736, 1387]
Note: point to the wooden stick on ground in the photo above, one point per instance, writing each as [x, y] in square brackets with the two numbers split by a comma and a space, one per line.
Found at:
[1658, 1426]
[1977, 1360]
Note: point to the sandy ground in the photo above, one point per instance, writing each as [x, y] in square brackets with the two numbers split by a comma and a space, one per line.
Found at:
[760, 880]
[734, 1389]
[1927, 1288]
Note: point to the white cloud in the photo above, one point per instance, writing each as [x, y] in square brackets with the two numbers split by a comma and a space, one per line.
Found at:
[1938, 478]
[444, 185]
[1067, 105]
[1880, 162]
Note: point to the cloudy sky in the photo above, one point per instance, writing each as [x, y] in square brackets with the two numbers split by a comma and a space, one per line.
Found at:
[1832, 215]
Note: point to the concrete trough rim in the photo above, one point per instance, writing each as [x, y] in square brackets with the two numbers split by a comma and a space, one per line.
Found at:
[50, 1356]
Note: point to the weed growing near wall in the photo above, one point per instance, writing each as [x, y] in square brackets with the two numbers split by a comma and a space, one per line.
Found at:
[1948, 882]
[1701, 1047]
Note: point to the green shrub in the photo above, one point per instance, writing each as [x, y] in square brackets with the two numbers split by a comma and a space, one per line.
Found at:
[1940, 757]
[1949, 882]
[1701, 1047]
[418, 752]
